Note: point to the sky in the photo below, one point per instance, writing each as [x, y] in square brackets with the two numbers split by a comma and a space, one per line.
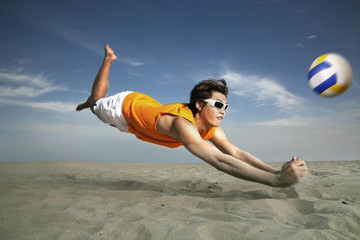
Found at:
[50, 52]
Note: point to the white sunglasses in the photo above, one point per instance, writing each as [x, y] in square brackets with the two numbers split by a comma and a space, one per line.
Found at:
[217, 104]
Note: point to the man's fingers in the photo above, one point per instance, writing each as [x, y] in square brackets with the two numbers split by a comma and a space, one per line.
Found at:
[300, 162]
[302, 170]
[302, 166]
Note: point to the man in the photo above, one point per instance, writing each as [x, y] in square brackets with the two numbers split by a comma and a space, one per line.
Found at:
[189, 125]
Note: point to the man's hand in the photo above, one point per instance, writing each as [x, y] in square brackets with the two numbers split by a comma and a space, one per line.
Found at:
[292, 172]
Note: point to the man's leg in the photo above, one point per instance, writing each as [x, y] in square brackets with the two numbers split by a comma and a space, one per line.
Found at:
[101, 82]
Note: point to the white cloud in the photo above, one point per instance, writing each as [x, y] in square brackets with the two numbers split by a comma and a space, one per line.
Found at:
[78, 37]
[314, 36]
[300, 45]
[309, 38]
[23, 91]
[285, 122]
[47, 105]
[263, 90]
[132, 62]
[35, 80]
[23, 85]
[20, 86]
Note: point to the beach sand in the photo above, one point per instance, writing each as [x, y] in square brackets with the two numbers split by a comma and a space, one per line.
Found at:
[80, 200]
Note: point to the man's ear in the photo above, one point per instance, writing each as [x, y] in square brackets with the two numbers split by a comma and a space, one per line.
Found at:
[199, 105]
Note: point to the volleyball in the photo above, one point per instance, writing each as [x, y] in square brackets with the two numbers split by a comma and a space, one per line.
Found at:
[330, 75]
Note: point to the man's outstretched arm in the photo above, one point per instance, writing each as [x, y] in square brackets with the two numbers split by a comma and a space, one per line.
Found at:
[188, 135]
[223, 144]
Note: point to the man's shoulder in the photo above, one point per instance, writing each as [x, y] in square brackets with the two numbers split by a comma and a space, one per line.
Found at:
[179, 121]
[173, 125]
[173, 121]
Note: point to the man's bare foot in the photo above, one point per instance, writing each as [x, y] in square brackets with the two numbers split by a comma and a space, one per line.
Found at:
[89, 103]
[109, 54]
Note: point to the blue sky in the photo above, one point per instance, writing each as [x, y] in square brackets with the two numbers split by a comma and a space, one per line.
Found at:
[50, 52]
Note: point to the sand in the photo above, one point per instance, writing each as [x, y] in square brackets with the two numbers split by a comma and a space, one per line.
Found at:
[79, 200]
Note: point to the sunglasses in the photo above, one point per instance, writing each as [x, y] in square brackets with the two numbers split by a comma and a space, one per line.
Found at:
[217, 104]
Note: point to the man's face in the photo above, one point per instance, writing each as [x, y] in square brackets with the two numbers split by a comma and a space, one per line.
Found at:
[212, 116]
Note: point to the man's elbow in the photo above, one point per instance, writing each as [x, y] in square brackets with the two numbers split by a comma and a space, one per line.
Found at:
[208, 154]
[219, 163]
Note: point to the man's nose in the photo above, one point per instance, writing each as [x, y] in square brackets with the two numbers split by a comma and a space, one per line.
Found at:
[222, 111]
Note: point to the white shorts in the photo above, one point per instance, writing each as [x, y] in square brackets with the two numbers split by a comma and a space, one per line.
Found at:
[109, 110]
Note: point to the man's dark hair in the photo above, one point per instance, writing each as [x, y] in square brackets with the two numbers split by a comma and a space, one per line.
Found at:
[204, 89]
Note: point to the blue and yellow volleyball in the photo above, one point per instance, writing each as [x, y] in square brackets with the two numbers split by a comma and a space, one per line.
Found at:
[330, 75]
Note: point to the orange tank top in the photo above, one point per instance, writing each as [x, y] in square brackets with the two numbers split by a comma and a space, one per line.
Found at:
[142, 112]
